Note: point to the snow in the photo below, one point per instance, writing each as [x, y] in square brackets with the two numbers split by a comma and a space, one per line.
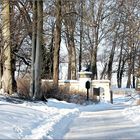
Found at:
[35, 120]
[52, 120]
[106, 121]
[133, 113]
[102, 125]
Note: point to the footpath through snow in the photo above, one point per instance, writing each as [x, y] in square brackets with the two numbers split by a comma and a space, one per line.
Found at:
[54, 119]
[106, 125]
[119, 121]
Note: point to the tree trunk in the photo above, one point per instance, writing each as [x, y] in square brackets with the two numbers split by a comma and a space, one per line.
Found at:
[70, 23]
[57, 39]
[94, 55]
[111, 57]
[121, 64]
[110, 63]
[81, 36]
[97, 21]
[7, 67]
[134, 83]
[14, 47]
[119, 69]
[13, 63]
[1, 67]
[51, 55]
[129, 72]
[34, 34]
[73, 65]
[119, 80]
[133, 64]
[0, 76]
[39, 44]
[69, 61]
[103, 72]
[129, 80]
[94, 65]
[72, 57]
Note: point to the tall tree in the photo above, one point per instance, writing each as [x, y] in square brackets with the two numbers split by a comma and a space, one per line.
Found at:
[57, 40]
[37, 44]
[70, 23]
[97, 19]
[7, 66]
[34, 34]
[95, 15]
[121, 63]
[81, 34]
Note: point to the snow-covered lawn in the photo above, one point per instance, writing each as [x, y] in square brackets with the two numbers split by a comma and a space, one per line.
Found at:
[39, 120]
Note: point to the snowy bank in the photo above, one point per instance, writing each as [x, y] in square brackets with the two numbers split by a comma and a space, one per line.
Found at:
[133, 114]
[35, 120]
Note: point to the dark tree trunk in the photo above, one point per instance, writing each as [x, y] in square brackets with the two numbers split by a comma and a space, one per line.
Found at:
[51, 55]
[72, 57]
[81, 36]
[1, 65]
[14, 83]
[120, 69]
[129, 72]
[121, 73]
[110, 63]
[57, 39]
[134, 83]
[129, 80]
[14, 47]
[94, 65]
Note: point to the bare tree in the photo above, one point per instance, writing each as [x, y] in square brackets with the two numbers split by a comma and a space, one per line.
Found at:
[70, 23]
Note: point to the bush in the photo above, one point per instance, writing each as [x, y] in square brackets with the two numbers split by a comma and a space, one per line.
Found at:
[57, 93]
[50, 91]
[23, 87]
[63, 94]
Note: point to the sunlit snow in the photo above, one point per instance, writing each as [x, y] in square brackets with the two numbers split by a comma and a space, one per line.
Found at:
[51, 120]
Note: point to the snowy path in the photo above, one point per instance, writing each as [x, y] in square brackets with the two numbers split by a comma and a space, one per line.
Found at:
[109, 124]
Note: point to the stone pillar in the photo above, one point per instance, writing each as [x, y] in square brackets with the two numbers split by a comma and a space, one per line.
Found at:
[84, 76]
[105, 85]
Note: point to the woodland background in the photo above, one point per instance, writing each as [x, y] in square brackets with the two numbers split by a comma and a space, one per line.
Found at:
[102, 36]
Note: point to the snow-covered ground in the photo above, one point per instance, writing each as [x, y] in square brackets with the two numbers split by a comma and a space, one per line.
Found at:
[38, 120]
[112, 122]
[51, 120]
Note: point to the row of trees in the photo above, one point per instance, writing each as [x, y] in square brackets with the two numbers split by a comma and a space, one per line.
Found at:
[95, 32]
